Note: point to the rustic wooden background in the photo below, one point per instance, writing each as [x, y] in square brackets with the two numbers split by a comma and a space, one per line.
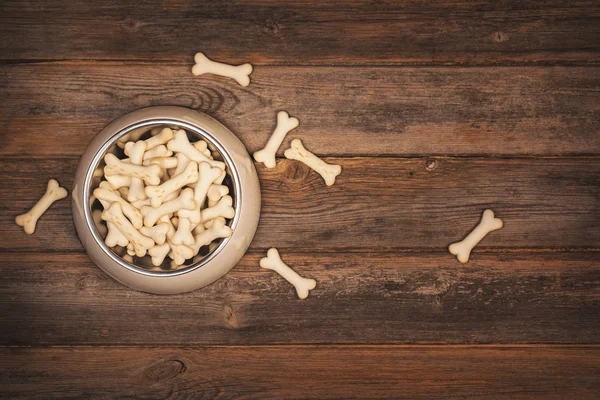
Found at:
[435, 109]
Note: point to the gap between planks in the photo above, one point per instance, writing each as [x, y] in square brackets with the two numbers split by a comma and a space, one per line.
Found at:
[378, 65]
[316, 346]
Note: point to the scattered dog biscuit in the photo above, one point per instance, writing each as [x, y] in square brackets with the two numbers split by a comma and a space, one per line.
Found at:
[241, 73]
[285, 123]
[328, 171]
[462, 250]
[53, 193]
[273, 261]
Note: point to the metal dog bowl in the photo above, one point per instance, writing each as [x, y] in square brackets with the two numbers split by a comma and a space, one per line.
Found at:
[212, 262]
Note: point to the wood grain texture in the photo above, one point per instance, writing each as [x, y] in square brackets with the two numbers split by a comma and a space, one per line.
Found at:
[382, 204]
[343, 111]
[57, 299]
[284, 32]
[349, 372]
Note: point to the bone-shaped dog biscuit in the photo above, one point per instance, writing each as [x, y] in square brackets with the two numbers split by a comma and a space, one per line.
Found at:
[158, 232]
[183, 236]
[273, 261]
[118, 181]
[215, 193]
[158, 194]
[241, 73]
[97, 218]
[158, 253]
[181, 144]
[462, 250]
[180, 253]
[136, 153]
[158, 151]
[285, 123]
[134, 215]
[207, 177]
[222, 209]
[150, 174]
[163, 162]
[182, 162]
[130, 250]
[327, 171]
[140, 243]
[53, 193]
[185, 201]
[113, 237]
[162, 137]
[218, 230]
[209, 223]
[203, 147]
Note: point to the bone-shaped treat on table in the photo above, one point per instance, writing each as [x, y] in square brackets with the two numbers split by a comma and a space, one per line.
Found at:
[141, 243]
[150, 174]
[162, 137]
[241, 73]
[158, 151]
[327, 171]
[181, 144]
[106, 194]
[273, 261]
[185, 201]
[163, 162]
[215, 193]
[462, 250]
[285, 123]
[183, 236]
[218, 230]
[136, 153]
[222, 209]
[158, 232]
[207, 177]
[158, 253]
[53, 193]
[158, 193]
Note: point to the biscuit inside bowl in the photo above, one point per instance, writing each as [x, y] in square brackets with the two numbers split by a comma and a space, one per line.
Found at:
[143, 131]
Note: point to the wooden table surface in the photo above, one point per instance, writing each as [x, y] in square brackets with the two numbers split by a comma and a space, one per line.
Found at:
[435, 109]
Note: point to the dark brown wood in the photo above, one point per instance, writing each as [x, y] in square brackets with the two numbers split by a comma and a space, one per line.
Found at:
[57, 299]
[435, 109]
[281, 372]
[352, 111]
[377, 204]
[291, 32]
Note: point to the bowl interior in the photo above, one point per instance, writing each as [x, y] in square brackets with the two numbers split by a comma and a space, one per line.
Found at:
[142, 131]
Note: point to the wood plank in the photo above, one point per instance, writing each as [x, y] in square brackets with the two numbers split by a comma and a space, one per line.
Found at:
[341, 32]
[377, 203]
[281, 372]
[60, 299]
[343, 111]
